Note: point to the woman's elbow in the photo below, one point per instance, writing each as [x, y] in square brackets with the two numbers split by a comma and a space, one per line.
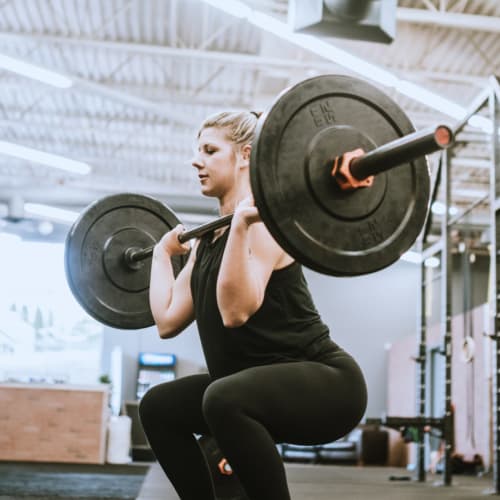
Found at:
[163, 333]
[166, 330]
[235, 309]
[236, 315]
[234, 319]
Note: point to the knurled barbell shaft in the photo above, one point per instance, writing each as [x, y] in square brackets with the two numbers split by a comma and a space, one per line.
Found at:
[390, 155]
[402, 150]
[134, 255]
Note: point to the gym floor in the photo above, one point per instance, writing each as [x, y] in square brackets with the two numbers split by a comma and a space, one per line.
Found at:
[319, 482]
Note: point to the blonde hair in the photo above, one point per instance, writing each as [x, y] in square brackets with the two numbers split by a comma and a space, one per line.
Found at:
[239, 125]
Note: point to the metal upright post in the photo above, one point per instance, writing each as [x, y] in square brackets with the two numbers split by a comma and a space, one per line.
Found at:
[443, 247]
[446, 312]
[495, 261]
[421, 373]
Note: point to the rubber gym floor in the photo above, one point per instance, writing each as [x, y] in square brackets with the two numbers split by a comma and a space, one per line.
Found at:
[330, 482]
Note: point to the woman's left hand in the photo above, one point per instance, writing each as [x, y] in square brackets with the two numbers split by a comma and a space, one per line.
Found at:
[247, 212]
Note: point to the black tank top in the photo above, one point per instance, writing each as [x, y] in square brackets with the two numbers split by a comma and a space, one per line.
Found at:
[287, 326]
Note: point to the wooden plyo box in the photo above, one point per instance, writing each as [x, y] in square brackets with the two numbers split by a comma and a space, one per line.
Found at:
[53, 423]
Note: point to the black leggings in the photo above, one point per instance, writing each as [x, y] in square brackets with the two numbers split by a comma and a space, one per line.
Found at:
[303, 402]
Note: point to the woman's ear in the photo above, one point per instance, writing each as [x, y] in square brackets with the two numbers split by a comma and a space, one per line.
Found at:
[245, 154]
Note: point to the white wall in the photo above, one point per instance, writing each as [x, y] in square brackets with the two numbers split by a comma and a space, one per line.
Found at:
[365, 314]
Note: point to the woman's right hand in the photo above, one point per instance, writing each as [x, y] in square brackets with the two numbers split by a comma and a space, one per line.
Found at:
[170, 243]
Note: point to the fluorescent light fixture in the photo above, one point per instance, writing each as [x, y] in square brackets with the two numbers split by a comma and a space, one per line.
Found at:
[439, 208]
[411, 256]
[343, 58]
[35, 72]
[51, 213]
[432, 262]
[45, 227]
[48, 159]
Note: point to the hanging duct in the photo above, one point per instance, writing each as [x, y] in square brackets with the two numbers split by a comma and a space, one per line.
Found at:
[367, 20]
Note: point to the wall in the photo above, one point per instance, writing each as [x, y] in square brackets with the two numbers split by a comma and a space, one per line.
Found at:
[477, 289]
[366, 315]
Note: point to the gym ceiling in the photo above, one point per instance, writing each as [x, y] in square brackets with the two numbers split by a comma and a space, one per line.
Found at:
[139, 76]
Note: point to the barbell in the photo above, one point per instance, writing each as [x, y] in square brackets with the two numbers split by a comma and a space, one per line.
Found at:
[337, 222]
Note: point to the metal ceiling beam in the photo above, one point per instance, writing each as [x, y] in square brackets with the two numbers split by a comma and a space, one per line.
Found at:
[470, 193]
[164, 51]
[495, 83]
[235, 58]
[158, 93]
[150, 106]
[471, 163]
[471, 22]
[74, 127]
[127, 99]
[71, 197]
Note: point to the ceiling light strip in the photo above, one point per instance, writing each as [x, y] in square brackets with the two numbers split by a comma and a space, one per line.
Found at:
[48, 159]
[50, 212]
[34, 72]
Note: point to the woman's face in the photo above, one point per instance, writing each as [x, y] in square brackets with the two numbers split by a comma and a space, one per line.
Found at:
[216, 162]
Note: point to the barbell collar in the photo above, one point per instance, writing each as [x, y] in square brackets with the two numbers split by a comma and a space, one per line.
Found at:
[401, 151]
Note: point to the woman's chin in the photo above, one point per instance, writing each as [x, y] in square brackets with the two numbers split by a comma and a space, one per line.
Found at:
[205, 191]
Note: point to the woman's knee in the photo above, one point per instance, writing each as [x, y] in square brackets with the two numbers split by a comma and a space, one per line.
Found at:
[149, 406]
[219, 401]
[157, 405]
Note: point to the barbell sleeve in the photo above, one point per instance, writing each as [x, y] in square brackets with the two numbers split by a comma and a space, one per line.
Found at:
[402, 150]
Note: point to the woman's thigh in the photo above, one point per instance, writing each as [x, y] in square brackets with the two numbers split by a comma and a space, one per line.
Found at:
[301, 402]
[176, 404]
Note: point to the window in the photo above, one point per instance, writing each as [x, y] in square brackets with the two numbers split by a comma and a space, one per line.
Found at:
[45, 336]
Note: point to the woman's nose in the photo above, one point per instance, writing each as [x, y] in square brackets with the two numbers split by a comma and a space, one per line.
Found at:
[196, 162]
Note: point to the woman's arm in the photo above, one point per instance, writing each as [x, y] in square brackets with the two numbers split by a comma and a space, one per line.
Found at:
[169, 297]
[250, 256]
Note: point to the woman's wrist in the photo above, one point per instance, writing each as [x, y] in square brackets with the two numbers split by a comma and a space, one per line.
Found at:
[239, 223]
[160, 251]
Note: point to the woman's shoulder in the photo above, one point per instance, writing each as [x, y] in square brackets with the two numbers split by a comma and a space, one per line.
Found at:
[264, 245]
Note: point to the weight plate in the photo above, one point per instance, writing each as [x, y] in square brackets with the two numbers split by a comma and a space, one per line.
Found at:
[329, 230]
[110, 290]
